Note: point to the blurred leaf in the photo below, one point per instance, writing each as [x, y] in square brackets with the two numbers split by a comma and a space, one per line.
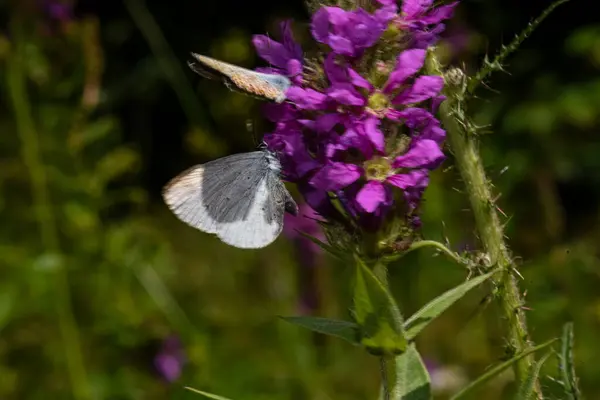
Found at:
[342, 329]
[413, 379]
[7, 301]
[94, 131]
[116, 163]
[205, 394]
[326, 247]
[567, 365]
[48, 262]
[419, 320]
[584, 40]
[376, 313]
[495, 371]
[81, 217]
[526, 391]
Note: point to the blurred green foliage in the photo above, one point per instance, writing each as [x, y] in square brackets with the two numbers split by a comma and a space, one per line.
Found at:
[98, 112]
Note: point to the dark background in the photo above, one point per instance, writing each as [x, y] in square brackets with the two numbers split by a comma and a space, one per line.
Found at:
[96, 243]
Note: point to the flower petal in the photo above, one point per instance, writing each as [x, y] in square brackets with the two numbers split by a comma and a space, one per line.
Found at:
[293, 48]
[425, 87]
[306, 99]
[346, 94]
[371, 127]
[335, 176]
[271, 51]
[320, 25]
[326, 122]
[335, 72]
[358, 80]
[413, 179]
[438, 14]
[371, 196]
[409, 62]
[341, 45]
[413, 8]
[423, 153]
[294, 71]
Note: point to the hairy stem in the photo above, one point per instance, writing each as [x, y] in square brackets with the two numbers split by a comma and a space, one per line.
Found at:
[464, 145]
[390, 389]
[31, 153]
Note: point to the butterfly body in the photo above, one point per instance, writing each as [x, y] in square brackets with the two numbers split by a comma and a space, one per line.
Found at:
[265, 86]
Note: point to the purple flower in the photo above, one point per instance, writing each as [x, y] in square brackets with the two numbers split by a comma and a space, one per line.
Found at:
[367, 128]
[408, 172]
[285, 58]
[169, 360]
[349, 32]
[402, 88]
[424, 21]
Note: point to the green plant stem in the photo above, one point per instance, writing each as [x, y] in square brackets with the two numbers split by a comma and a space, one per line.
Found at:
[390, 381]
[432, 243]
[491, 233]
[31, 154]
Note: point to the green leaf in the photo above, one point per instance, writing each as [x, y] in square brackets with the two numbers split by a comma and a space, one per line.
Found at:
[493, 372]
[375, 311]
[526, 391]
[326, 247]
[205, 394]
[342, 329]
[434, 308]
[566, 363]
[413, 382]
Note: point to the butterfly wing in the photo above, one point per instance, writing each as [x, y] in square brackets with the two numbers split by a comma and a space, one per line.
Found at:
[261, 222]
[238, 198]
[259, 84]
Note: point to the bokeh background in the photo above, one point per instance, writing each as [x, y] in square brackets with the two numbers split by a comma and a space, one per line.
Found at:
[98, 111]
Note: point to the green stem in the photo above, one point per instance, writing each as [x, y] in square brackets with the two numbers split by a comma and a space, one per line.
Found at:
[390, 389]
[31, 154]
[464, 145]
[432, 243]
[498, 61]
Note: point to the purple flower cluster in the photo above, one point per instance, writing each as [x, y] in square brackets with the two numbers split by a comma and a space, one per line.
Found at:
[360, 135]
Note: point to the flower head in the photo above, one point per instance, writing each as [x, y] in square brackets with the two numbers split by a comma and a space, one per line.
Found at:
[366, 130]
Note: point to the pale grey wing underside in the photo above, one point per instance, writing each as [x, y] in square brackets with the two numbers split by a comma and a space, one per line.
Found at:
[238, 198]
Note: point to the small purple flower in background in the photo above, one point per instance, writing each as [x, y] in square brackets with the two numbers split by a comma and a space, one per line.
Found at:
[367, 128]
[58, 10]
[170, 359]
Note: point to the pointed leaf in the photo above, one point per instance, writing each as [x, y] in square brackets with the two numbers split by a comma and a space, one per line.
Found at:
[495, 371]
[526, 391]
[375, 311]
[326, 247]
[205, 394]
[566, 363]
[342, 329]
[434, 308]
[413, 382]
